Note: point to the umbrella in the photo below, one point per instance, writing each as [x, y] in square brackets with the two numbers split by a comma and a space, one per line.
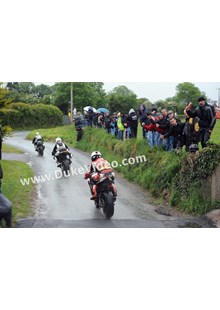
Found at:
[88, 107]
[103, 110]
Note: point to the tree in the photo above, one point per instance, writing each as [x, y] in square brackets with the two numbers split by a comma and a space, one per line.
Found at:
[84, 94]
[41, 90]
[25, 87]
[28, 92]
[145, 101]
[161, 104]
[122, 99]
[187, 92]
[4, 96]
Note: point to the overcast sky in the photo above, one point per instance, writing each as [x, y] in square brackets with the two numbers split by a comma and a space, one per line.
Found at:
[156, 91]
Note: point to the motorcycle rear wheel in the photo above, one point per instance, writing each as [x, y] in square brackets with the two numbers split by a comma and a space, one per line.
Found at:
[108, 204]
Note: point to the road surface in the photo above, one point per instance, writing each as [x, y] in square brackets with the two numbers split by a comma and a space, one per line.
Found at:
[65, 201]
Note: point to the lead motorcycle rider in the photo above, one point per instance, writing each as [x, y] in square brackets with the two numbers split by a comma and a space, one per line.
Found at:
[59, 145]
[97, 166]
[36, 139]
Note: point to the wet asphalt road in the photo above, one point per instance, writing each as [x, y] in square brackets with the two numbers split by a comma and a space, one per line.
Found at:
[65, 202]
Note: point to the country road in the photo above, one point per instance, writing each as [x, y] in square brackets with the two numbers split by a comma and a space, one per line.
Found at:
[65, 202]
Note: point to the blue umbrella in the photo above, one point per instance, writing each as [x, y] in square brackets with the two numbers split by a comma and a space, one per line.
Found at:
[103, 110]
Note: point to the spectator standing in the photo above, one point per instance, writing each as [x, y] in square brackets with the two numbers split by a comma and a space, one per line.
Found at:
[120, 127]
[151, 133]
[142, 111]
[107, 123]
[90, 117]
[206, 119]
[164, 124]
[100, 120]
[133, 123]
[176, 130]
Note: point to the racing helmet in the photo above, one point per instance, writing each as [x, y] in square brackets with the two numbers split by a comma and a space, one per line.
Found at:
[95, 155]
[193, 148]
[58, 141]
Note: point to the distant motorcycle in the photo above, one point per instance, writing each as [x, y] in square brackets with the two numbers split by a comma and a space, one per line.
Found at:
[64, 159]
[106, 193]
[40, 147]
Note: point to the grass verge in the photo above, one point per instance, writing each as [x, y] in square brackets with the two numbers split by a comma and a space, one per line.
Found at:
[6, 148]
[21, 196]
[66, 133]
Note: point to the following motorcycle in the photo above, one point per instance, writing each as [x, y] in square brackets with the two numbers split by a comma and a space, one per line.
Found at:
[64, 159]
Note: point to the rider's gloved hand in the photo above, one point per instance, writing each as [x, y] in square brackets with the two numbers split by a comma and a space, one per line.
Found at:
[87, 175]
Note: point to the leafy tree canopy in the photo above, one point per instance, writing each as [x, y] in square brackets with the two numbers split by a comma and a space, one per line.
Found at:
[4, 96]
[122, 99]
[84, 94]
[187, 92]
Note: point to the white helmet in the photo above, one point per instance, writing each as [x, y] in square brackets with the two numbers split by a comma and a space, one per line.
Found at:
[131, 111]
[95, 155]
[58, 140]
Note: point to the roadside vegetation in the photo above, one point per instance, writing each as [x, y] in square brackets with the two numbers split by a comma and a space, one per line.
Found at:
[176, 178]
[66, 133]
[24, 116]
[20, 196]
[10, 149]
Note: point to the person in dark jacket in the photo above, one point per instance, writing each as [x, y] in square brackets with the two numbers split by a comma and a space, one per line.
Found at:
[142, 113]
[164, 124]
[78, 120]
[206, 119]
[90, 117]
[107, 123]
[191, 131]
[132, 121]
[176, 130]
[143, 119]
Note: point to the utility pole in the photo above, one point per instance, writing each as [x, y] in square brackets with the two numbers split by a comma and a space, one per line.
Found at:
[71, 102]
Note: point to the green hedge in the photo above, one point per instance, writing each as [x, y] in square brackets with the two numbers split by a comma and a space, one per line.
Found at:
[175, 177]
[22, 115]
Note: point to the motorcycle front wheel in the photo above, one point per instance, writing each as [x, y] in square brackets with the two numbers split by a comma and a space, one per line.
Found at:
[41, 151]
[65, 166]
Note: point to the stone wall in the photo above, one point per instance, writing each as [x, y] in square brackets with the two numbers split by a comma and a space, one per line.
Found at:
[211, 186]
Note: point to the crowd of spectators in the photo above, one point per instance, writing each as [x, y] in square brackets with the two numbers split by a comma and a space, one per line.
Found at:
[163, 129]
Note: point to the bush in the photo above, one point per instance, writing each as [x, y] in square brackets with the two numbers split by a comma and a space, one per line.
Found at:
[24, 116]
